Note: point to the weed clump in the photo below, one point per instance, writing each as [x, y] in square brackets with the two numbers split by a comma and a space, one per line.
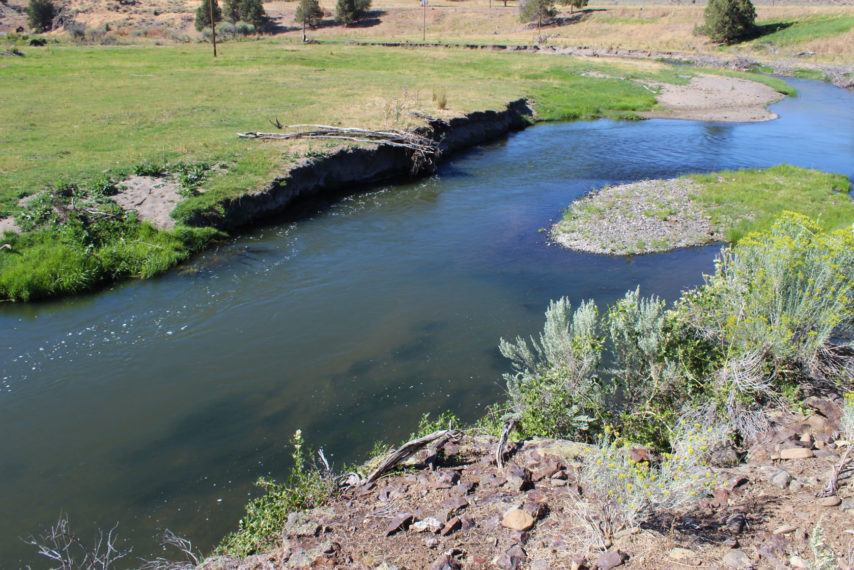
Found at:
[306, 487]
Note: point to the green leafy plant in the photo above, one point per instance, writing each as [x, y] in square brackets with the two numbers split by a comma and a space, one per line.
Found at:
[153, 169]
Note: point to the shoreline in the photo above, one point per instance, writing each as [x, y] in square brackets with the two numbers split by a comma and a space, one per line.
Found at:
[708, 97]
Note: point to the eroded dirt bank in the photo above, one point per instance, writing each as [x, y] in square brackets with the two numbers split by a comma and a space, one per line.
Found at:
[353, 167]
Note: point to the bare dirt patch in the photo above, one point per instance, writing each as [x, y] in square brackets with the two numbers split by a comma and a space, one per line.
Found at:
[151, 198]
[9, 225]
[716, 98]
[642, 217]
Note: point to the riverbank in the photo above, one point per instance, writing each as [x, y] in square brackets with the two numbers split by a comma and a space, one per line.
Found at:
[713, 462]
[457, 509]
[226, 182]
[660, 215]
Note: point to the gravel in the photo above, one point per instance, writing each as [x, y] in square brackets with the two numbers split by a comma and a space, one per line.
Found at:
[642, 217]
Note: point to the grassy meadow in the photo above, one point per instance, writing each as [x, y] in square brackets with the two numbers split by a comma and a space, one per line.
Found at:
[79, 120]
[747, 201]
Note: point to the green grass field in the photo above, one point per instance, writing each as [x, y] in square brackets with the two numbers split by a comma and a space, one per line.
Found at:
[747, 201]
[73, 115]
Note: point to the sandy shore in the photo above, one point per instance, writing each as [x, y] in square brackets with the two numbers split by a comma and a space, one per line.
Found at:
[715, 98]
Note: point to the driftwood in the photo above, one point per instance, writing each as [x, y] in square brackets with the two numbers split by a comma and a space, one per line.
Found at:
[502, 441]
[401, 454]
[425, 150]
[389, 137]
[833, 482]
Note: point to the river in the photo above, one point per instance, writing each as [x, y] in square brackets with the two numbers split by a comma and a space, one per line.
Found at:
[156, 404]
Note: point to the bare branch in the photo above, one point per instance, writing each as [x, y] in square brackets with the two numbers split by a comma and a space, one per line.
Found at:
[509, 424]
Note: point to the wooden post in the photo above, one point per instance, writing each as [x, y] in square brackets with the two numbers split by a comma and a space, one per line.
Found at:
[213, 25]
[424, 23]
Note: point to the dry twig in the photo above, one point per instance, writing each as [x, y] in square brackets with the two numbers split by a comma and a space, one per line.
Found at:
[502, 441]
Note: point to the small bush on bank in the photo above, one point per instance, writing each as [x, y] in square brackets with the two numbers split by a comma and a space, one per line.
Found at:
[634, 488]
[728, 20]
[781, 294]
[306, 487]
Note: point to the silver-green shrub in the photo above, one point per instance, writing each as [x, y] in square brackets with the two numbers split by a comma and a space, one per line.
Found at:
[635, 489]
[554, 388]
[782, 294]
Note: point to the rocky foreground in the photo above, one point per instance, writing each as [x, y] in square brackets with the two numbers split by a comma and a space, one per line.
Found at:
[456, 509]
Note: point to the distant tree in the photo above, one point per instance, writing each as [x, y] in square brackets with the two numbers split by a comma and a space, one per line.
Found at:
[728, 20]
[40, 14]
[252, 12]
[308, 13]
[203, 14]
[540, 11]
[231, 10]
[349, 11]
[579, 4]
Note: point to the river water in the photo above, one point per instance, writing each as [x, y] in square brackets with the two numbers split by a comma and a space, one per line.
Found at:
[157, 404]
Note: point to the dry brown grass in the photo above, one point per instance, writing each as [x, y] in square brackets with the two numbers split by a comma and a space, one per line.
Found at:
[658, 27]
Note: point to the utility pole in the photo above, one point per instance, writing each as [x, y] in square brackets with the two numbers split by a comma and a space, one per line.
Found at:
[424, 24]
[213, 24]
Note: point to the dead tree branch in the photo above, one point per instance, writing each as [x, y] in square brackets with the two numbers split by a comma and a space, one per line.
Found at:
[833, 483]
[65, 548]
[509, 424]
[401, 454]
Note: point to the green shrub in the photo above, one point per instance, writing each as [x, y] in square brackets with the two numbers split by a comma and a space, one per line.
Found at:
[728, 20]
[350, 11]
[153, 169]
[781, 294]
[40, 14]
[244, 29]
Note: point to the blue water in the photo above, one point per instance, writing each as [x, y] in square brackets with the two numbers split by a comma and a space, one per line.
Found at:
[157, 404]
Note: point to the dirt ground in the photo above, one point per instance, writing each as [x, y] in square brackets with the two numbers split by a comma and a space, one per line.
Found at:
[151, 198]
[457, 509]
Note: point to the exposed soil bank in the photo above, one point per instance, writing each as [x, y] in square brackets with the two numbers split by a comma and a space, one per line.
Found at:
[367, 165]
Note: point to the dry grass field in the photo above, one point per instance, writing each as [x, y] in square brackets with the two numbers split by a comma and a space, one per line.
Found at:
[813, 33]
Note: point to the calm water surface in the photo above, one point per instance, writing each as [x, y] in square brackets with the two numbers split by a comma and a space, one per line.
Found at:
[158, 403]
